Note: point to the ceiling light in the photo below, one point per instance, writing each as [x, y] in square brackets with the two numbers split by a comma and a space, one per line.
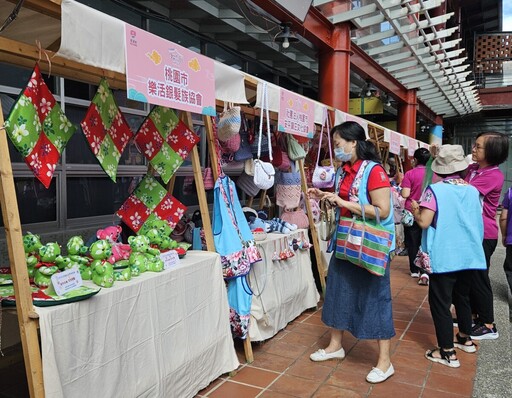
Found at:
[285, 36]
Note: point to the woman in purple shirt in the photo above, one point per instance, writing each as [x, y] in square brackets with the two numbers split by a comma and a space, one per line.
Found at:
[412, 187]
[489, 150]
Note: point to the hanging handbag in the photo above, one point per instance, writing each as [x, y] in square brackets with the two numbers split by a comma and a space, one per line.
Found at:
[364, 243]
[295, 150]
[209, 183]
[246, 183]
[249, 167]
[229, 122]
[244, 152]
[288, 189]
[323, 176]
[328, 223]
[263, 171]
[296, 216]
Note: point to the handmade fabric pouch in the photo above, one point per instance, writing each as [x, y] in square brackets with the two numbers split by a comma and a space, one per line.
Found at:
[364, 243]
[288, 188]
[246, 183]
[229, 122]
[244, 152]
[295, 150]
[323, 176]
[296, 216]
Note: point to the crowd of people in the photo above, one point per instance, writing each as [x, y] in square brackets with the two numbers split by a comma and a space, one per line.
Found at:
[447, 205]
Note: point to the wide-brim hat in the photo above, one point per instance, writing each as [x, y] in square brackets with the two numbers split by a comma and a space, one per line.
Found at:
[449, 160]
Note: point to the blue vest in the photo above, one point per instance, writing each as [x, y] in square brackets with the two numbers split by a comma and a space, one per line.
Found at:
[363, 195]
[455, 244]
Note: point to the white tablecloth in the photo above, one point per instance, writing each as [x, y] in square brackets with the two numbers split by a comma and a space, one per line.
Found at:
[287, 288]
[159, 335]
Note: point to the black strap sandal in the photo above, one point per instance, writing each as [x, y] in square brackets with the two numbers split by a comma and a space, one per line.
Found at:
[445, 357]
[461, 343]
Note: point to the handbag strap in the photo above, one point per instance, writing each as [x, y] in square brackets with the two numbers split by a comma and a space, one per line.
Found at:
[377, 213]
[264, 107]
[325, 122]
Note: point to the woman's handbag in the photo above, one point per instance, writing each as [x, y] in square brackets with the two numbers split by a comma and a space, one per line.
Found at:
[246, 183]
[422, 261]
[229, 122]
[327, 225]
[295, 150]
[263, 171]
[244, 152]
[296, 216]
[288, 189]
[323, 176]
[209, 183]
[364, 242]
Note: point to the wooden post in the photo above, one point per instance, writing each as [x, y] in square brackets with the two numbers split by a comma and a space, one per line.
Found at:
[186, 117]
[314, 234]
[27, 318]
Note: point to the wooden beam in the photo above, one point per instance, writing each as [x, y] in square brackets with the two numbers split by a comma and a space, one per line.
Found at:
[21, 54]
[50, 8]
[25, 310]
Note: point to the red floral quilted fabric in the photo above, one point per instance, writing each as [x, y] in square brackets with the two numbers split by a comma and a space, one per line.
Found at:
[165, 141]
[106, 130]
[150, 200]
[38, 128]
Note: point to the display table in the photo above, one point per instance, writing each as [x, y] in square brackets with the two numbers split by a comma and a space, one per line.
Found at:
[159, 335]
[282, 289]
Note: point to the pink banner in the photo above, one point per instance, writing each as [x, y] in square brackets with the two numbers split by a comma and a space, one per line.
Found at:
[163, 73]
[412, 146]
[394, 142]
[296, 114]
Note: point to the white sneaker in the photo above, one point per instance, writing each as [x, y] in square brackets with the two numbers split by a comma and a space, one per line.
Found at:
[378, 376]
[415, 274]
[320, 355]
[424, 279]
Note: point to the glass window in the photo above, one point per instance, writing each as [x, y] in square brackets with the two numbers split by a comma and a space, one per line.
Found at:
[97, 196]
[185, 191]
[14, 76]
[36, 204]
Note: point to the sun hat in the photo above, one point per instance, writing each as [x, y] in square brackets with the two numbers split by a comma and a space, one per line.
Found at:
[449, 160]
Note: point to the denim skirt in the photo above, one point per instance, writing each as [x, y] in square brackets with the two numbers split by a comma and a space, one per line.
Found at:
[358, 301]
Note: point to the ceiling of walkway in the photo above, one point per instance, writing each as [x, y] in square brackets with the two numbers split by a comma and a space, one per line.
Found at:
[405, 37]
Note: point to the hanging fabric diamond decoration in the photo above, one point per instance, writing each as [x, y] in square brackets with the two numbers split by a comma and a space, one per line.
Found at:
[38, 128]
[106, 130]
[165, 141]
[148, 201]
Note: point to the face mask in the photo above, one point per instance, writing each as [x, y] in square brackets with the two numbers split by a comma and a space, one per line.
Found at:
[341, 155]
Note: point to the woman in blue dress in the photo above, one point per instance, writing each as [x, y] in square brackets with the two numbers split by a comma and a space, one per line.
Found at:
[356, 300]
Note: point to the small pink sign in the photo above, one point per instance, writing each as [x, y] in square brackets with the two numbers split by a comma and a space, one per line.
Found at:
[412, 146]
[163, 73]
[296, 114]
[394, 142]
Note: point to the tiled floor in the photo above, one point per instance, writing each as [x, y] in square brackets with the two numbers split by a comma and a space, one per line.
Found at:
[282, 368]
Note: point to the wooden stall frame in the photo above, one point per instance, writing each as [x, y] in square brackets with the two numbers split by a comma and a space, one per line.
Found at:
[27, 317]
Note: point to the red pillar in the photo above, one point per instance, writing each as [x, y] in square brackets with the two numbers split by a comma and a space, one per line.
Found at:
[406, 123]
[334, 70]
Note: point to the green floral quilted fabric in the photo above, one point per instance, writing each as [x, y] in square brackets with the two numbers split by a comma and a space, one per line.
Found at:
[38, 128]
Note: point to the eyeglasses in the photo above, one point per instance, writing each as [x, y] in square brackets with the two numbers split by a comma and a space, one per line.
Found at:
[477, 147]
